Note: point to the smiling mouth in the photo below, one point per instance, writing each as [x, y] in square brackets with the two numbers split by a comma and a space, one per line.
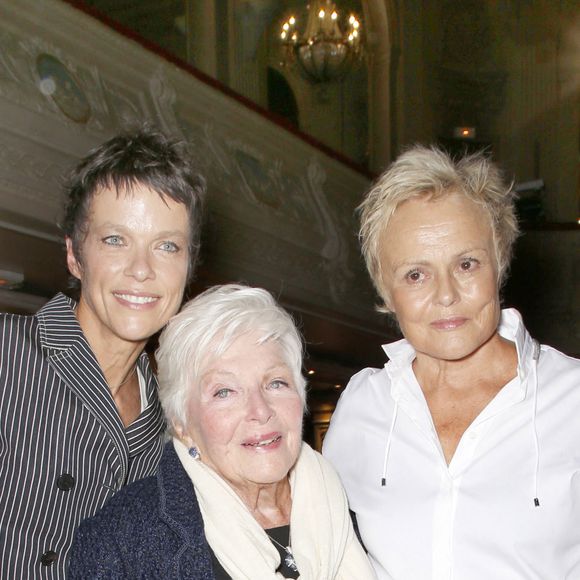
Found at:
[264, 443]
[136, 299]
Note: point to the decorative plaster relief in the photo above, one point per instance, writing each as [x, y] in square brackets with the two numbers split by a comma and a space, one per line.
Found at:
[238, 169]
[38, 168]
[283, 211]
[164, 97]
[56, 82]
[40, 175]
[37, 75]
[265, 258]
[282, 204]
[127, 105]
[17, 82]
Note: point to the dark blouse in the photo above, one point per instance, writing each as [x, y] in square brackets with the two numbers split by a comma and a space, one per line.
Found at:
[281, 535]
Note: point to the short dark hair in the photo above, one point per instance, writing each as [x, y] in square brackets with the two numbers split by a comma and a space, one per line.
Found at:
[142, 156]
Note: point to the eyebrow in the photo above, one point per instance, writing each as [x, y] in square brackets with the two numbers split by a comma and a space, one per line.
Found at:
[226, 373]
[163, 234]
[421, 262]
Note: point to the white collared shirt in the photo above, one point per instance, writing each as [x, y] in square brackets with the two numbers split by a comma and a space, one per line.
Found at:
[476, 518]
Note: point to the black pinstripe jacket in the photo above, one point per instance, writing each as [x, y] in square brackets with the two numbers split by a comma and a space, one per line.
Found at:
[63, 448]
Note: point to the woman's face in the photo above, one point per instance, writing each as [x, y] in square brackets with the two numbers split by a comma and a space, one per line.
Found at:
[245, 416]
[440, 272]
[134, 265]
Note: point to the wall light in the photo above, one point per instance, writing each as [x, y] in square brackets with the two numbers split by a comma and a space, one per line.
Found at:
[10, 280]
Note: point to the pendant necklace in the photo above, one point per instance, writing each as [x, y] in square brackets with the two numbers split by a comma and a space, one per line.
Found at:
[288, 558]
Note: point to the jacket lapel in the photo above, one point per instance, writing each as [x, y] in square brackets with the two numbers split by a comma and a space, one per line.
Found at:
[70, 356]
[150, 423]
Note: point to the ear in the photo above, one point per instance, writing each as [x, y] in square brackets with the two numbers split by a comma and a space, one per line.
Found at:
[182, 435]
[72, 263]
[387, 305]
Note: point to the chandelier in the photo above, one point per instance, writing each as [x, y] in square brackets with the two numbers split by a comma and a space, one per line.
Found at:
[327, 47]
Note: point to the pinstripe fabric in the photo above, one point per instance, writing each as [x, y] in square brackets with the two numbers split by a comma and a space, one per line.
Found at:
[57, 417]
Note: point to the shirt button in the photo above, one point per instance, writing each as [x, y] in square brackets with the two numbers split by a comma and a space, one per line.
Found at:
[65, 482]
[48, 558]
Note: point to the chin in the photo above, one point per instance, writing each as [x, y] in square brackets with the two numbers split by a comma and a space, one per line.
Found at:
[137, 334]
[272, 473]
[456, 352]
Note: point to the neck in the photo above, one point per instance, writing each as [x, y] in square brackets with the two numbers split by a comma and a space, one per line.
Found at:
[116, 357]
[494, 362]
[269, 504]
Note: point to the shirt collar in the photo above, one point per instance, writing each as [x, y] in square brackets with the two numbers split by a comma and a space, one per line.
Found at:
[511, 326]
[401, 354]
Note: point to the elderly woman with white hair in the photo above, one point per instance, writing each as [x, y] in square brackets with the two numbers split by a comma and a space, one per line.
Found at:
[460, 457]
[237, 493]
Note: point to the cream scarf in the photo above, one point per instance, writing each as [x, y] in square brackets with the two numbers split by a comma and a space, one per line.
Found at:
[321, 533]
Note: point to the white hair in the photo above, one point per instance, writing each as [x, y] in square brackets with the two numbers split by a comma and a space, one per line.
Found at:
[430, 172]
[206, 326]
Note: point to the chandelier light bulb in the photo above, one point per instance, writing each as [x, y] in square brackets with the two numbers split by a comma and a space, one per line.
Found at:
[327, 45]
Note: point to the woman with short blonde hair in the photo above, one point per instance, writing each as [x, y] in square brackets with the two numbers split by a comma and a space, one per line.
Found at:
[459, 457]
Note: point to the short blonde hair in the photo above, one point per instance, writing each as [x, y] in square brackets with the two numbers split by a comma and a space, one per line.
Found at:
[430, 172]
[206, 326]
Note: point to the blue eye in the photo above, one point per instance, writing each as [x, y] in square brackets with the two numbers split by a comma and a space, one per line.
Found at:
[169, 247]
[278, 384]
[222, 393]
[113, 240]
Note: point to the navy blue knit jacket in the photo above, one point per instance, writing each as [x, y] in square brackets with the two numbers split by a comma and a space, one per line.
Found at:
[151, 529]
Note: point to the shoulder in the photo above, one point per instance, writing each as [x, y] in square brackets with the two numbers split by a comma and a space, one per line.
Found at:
[365, 379]
[21, 327]
[367, 396]
[557, 369]
[19, 336]
[367, 387]
[549, 356]
[10, 323]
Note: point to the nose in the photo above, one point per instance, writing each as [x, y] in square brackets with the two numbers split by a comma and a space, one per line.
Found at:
[447, 291]
[259, 407]
[140, 265]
